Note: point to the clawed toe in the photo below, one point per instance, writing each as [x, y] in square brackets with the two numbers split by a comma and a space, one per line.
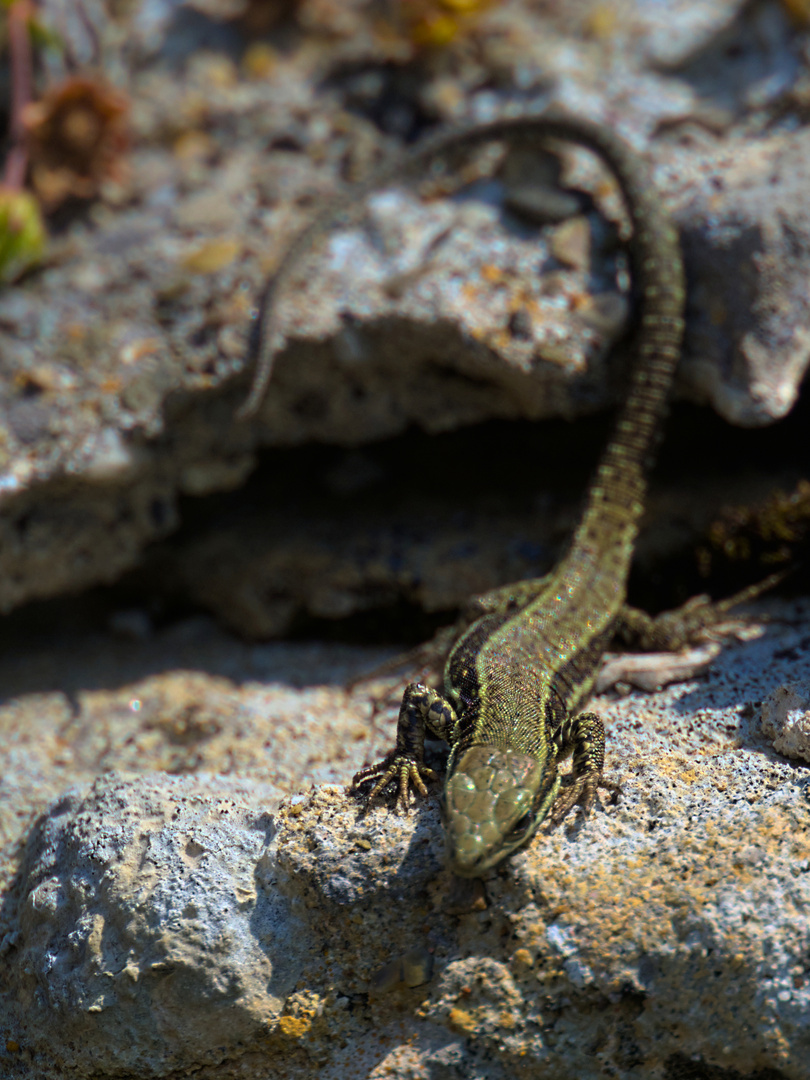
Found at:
[584, 795]
[403, 771]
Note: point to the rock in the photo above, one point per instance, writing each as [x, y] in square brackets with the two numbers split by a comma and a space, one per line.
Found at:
[160, 925]
[786, 719]
[146, 942]
[123, 360]
[746, 234]
[668, 932]
[264, 573]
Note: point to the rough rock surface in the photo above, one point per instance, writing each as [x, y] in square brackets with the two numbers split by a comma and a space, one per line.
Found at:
[141, 916]
[669, 929]
[786, 719]
[749, 329]
[122, 359]
[151, 922]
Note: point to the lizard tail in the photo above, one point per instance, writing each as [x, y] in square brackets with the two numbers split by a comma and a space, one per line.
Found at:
[616, 496]
[619, 486]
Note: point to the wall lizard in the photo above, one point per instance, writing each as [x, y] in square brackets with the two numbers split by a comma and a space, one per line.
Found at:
[518, 675]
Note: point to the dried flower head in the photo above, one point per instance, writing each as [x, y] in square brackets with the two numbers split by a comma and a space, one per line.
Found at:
[76, 136]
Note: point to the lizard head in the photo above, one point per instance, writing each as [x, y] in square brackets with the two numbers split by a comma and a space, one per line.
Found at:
[494, 802]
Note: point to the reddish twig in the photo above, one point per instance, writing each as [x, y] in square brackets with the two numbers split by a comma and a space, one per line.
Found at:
[19, 45]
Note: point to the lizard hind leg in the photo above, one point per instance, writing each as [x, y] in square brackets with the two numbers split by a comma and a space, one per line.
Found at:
[405, 764]
[584, 736]
[698, 620]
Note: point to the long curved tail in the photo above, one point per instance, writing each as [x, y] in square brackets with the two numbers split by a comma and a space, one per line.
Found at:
[616, 495]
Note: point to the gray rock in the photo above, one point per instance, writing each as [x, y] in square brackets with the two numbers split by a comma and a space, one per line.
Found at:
[786, 719]
[145, 941]
[123, 359]
[166, 923]
[745, 224]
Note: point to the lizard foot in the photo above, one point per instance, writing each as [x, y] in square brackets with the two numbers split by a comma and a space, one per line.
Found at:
[584, 735]
[699, 620]
[583, 791]
[406, 771]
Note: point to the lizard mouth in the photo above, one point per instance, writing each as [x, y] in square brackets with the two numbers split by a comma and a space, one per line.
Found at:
[480, 863]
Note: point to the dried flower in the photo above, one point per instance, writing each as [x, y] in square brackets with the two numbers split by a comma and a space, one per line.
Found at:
[76, 137]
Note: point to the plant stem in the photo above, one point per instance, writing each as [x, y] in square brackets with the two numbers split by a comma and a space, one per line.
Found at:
[19, 46]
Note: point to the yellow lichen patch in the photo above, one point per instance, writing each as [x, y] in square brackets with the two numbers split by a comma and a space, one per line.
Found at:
[462, 1020]
[522, 958]
[435, 31]
[436, 23]
[219, 71]
[260, 61]
[95, 936]
[799, 9]
[678, 767]
[635, 901]
[193, 146]
[493, 274]
[294, 1027]
[464, 7]
[211, 256]
[601, 22]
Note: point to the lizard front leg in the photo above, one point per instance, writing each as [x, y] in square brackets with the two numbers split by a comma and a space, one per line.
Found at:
[584, 736]
[421, 706]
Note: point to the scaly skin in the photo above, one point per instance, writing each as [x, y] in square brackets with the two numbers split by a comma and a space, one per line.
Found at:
[518, 675]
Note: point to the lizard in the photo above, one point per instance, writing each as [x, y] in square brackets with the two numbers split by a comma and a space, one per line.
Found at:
[520, 672]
